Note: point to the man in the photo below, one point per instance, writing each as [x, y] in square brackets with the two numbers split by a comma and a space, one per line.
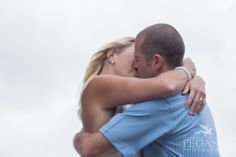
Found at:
[160, 127]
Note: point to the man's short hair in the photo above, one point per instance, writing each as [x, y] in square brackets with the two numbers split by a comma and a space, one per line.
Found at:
[165, 40]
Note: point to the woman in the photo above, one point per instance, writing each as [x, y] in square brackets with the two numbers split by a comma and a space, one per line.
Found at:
[103, 94]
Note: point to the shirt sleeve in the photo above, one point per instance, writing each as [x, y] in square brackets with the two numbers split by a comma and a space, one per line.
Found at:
[138, 126]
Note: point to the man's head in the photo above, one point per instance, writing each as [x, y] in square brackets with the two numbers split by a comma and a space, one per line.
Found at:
[158, 48]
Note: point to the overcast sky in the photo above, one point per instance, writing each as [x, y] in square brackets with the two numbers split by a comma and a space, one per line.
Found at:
[45, 46]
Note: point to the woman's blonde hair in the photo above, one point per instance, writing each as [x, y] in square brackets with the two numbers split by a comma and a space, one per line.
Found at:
[98, 59]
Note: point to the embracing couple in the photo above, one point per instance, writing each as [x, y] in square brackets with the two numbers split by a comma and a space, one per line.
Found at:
[168, 116]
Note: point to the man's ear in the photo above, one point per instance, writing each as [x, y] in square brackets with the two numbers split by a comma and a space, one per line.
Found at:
[158, 61]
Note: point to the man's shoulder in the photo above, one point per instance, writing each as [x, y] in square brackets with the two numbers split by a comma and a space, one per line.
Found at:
[152, 105]
[176, 97]
[152, 101]
[166, 103]
[167, 99]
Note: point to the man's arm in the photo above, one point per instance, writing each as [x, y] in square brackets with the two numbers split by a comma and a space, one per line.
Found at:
[91, 144]
[129, 131]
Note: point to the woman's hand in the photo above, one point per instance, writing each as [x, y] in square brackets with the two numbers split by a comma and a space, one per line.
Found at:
[197, 97]
[189, 64]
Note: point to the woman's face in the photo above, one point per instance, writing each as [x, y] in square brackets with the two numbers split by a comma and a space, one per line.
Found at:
[124, 62]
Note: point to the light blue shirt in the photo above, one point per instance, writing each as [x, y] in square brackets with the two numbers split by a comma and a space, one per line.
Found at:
[163, 128]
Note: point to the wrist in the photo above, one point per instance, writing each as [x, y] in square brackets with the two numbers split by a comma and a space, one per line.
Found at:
[186, 71]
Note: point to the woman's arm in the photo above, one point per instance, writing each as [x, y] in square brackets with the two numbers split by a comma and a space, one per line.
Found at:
[110, 90]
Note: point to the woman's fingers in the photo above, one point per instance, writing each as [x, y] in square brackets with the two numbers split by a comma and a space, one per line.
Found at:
[195, 103]
[186, 88]
[199, 103]
[191, 98]
[204, 103]
[197, 95]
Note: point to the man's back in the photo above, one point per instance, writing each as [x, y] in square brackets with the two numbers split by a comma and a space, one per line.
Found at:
[163, 127]
[190, 136]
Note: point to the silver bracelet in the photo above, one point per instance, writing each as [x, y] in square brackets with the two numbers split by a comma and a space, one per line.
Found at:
[186, 71]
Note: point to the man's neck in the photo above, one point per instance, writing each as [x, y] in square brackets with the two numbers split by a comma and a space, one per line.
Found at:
[165, 68]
